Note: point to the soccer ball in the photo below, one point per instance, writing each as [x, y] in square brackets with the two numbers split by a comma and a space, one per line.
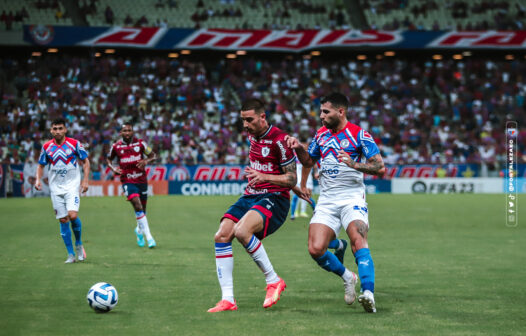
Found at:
[102, 297]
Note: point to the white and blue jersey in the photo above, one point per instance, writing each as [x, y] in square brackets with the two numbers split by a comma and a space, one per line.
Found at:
[64, 170]
[337, 180]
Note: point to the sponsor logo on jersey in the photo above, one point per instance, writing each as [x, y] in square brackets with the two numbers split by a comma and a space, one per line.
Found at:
[283, 151]
[269, 142]
[265, 151]
[134, 175]
[266, 167]
[131, 158]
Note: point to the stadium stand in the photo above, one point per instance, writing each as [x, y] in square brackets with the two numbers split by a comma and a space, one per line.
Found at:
[418, 111]
[17, 13]
[448, 15]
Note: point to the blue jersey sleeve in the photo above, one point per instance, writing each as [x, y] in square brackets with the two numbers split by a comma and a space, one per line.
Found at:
[314, 149]
[42, 159]
[81, 152]
[369, 147]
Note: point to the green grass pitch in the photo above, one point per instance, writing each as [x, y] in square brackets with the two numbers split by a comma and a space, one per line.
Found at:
[445, 265]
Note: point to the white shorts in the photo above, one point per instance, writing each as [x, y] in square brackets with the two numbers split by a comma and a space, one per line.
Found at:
[64, 203]
[338, 214]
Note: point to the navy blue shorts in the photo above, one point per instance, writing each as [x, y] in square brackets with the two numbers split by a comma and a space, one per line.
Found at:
[274, 209]
[132, 190]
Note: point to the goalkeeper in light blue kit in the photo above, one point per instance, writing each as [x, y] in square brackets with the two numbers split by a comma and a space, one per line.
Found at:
[340, 148]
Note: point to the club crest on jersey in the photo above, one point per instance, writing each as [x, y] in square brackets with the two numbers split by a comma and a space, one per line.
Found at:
[265, 151]
[136, 149]
[68, 151]
[344, 143]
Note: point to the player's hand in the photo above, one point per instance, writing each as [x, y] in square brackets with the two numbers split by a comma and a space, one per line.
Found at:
[117, 171]
[345, 158]
[84, 186]
[292, 142]
[301, 194]
[38, 185]
[254, 177]
[306, 191]
[141, 164]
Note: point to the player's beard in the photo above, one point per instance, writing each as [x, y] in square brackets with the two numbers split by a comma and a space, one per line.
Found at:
[331, 124]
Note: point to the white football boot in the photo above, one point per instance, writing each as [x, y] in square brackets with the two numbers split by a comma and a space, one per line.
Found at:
[350, 291]
[367, 301]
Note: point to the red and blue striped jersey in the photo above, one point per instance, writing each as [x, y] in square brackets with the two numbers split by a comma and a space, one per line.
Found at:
[268, 154]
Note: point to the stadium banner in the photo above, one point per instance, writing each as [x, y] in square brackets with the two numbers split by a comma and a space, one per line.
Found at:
[447, 185]
[114, 188]
[196, 188]
[235, 172]
[267, 40]
[3, 170]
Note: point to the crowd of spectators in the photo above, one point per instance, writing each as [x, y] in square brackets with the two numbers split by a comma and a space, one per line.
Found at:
[419, 111]
[461, 14]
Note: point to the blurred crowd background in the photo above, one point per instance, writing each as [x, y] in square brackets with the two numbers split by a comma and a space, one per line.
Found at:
[420, 109]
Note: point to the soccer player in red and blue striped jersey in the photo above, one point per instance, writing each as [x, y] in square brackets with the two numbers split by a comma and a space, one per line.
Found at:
[261, 210]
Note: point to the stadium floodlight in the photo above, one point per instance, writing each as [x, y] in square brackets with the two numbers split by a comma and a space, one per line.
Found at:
[36, 54]
[361, 57]
[437, 57]
[185, 52]
[389, 53]
[109, 51]
[509, 57]
[467, 53]
[315, 53]
[97, 54]
[173, 55]
[52, 50]
[241, 52]
[231, 56]
[457, 57]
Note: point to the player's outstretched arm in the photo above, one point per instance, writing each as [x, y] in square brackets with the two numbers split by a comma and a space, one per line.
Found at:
[304, 157]
[373, 166]
[287, 179]
[305, 172]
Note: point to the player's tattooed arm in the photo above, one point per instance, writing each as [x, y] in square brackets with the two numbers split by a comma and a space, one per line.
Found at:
[373, 166]
[290, 174]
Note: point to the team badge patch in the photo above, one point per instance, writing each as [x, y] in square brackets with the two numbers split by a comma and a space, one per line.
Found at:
[265, 151]
[136, 149]
[344, 143]
[68, 151]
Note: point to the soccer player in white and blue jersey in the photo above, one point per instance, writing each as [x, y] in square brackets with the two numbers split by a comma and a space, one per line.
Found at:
[63, 155]
[341, 149]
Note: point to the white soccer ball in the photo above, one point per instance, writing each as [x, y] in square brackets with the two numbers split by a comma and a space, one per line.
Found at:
[102, 297]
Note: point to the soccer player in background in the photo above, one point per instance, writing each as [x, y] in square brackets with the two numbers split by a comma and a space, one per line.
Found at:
[133, 155]
[261, 210]
[340, 147]
[63, 155]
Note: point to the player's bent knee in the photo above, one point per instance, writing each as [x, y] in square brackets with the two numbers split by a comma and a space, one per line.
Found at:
[316, 251]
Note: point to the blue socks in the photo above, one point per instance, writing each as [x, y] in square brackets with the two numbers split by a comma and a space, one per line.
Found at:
[65, 232]
[330, 263]
[293, 205]
[77, 230]
[365, 268]
[334, 244]
[313, 204]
